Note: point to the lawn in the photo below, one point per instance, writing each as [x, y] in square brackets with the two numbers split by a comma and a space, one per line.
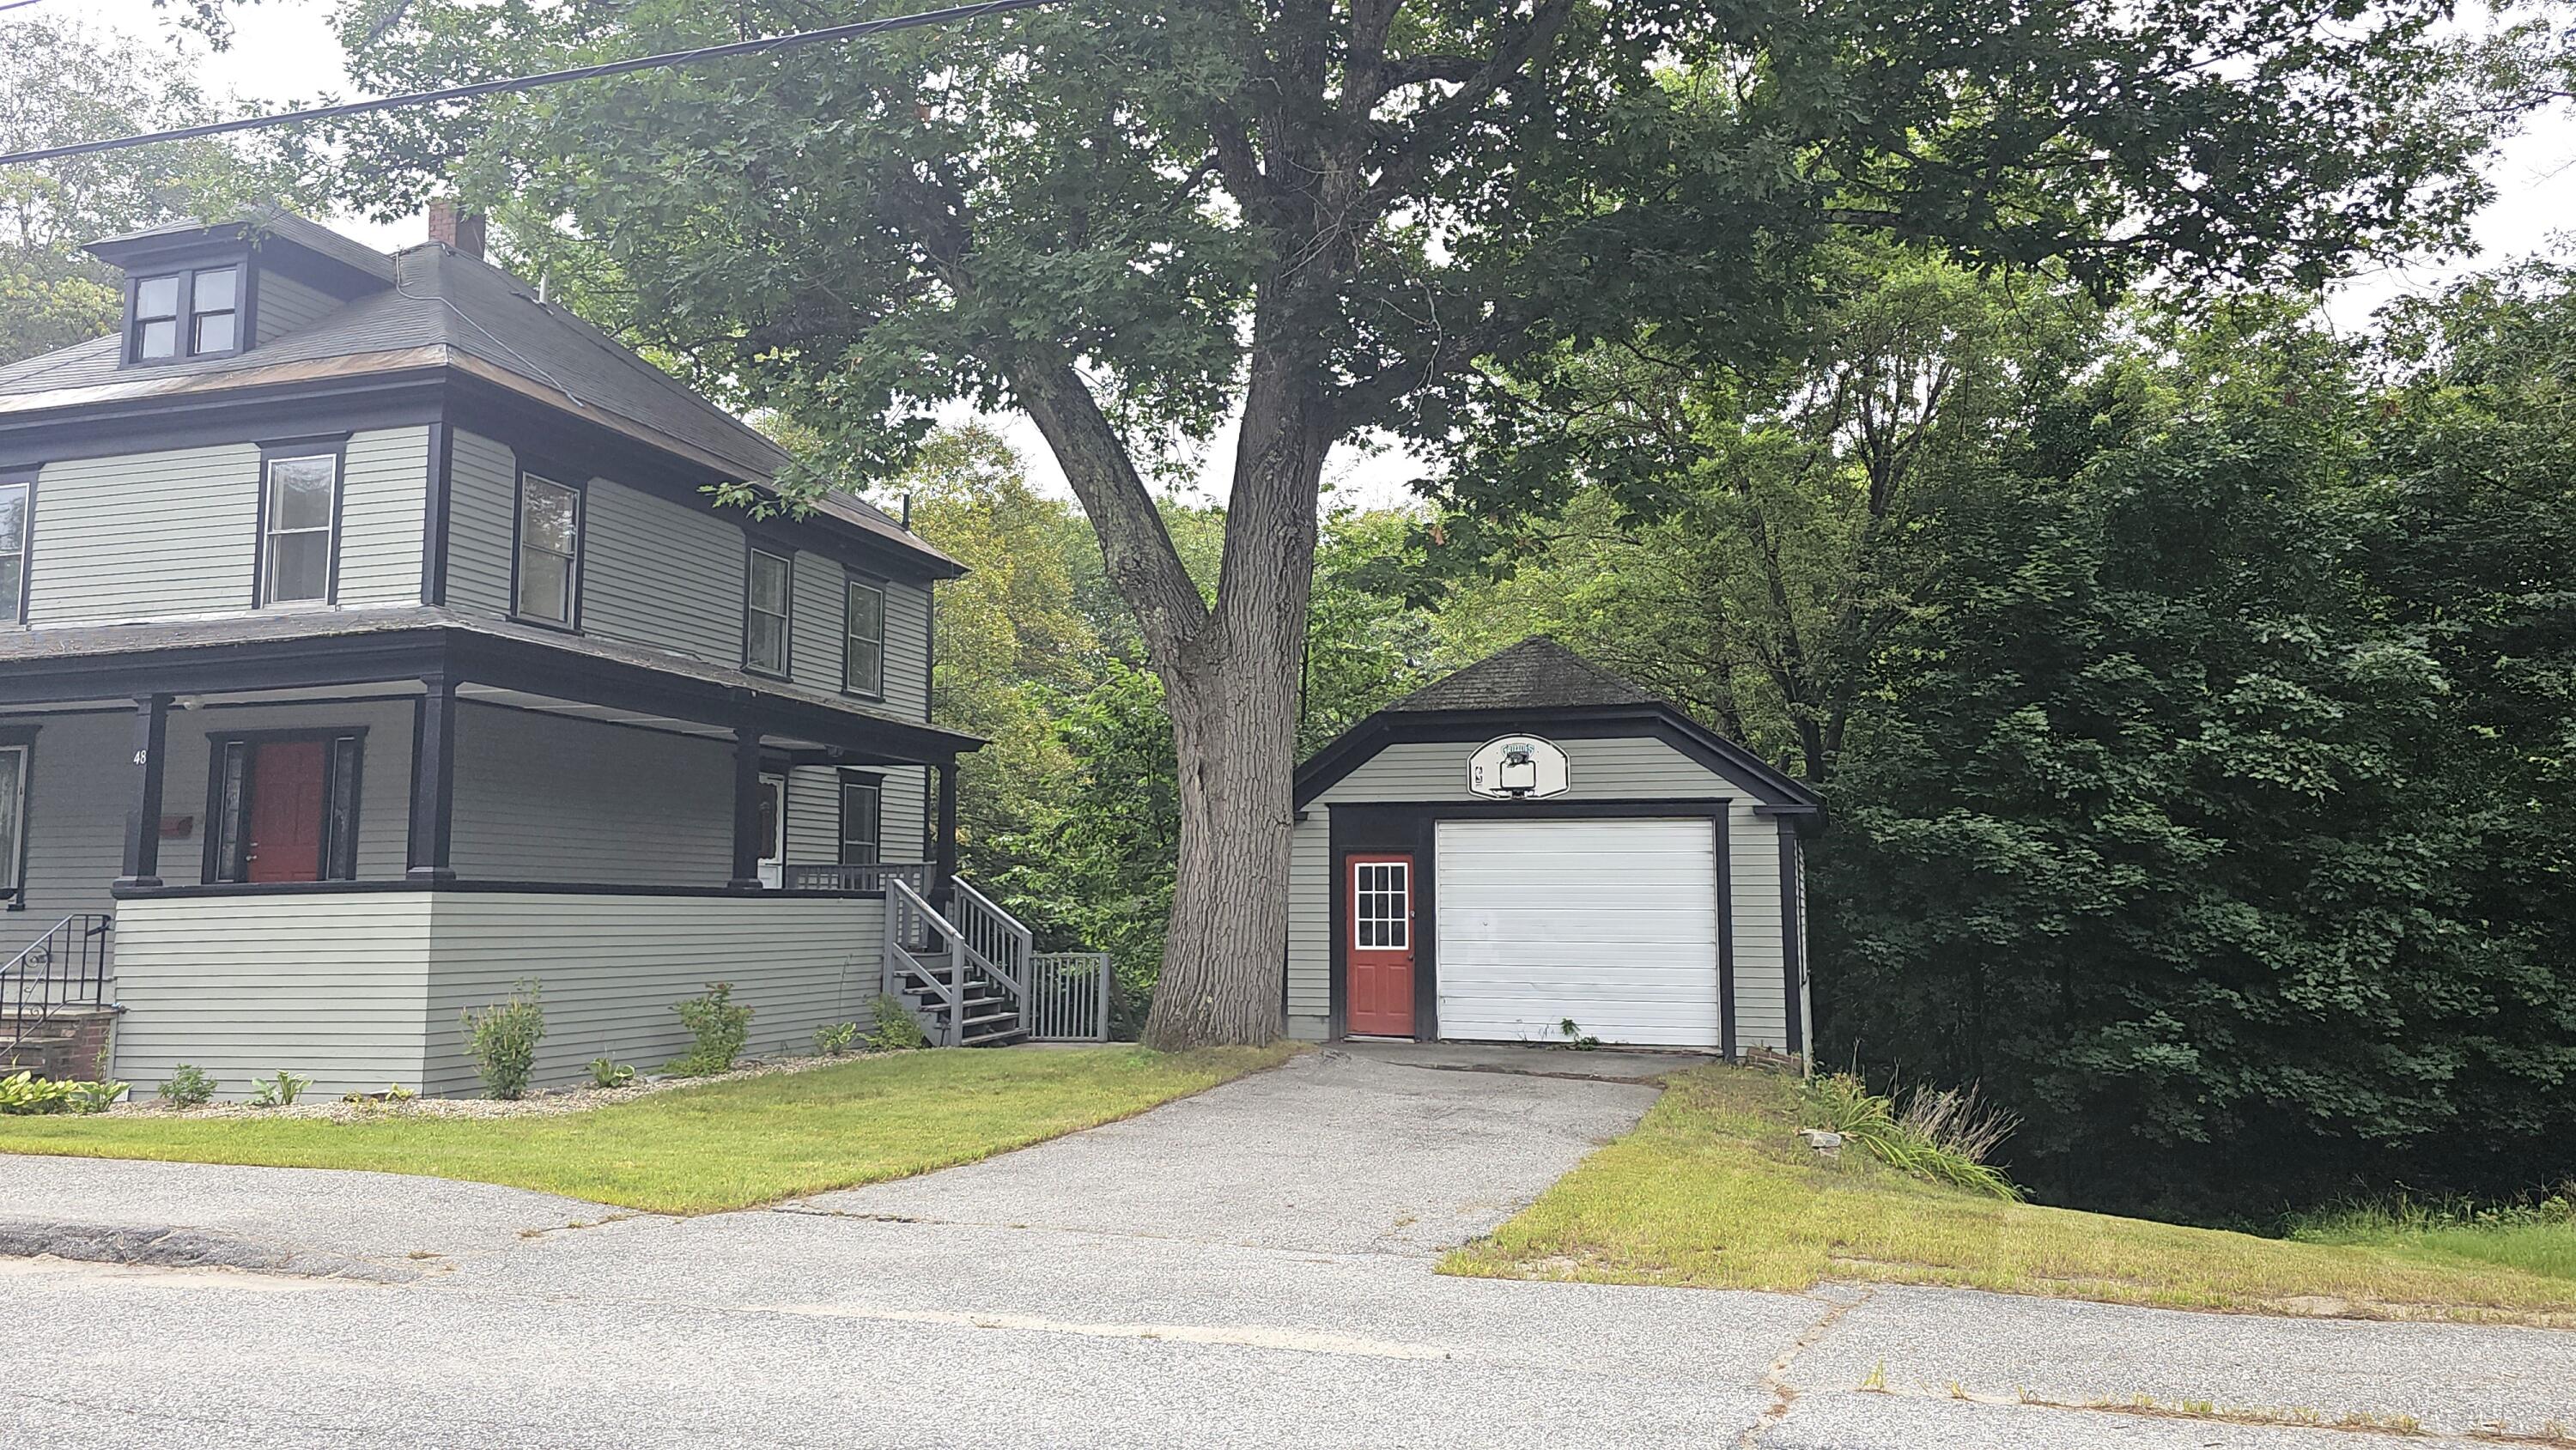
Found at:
[699, 1150]
[1714, 1189]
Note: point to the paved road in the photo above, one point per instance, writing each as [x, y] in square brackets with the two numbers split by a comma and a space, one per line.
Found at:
[1249, 1267]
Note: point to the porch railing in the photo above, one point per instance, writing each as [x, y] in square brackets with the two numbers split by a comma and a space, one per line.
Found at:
[857, 878]
[1069, 997]
[69, 966]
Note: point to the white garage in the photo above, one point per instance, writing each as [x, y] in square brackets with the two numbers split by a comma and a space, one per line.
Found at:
[1609, 924]
[1534, 841]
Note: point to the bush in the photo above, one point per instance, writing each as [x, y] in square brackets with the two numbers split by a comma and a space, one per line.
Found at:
[720, 1027]
[1941, 1137]
[25, 1094]
[503, 1040]
[279, 1091]
[607, 1074]
[188, 1086]
[95, 1097]
[896, 1030]
[835, 1039]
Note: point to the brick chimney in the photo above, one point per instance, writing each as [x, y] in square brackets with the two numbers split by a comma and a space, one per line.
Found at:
[462, 230]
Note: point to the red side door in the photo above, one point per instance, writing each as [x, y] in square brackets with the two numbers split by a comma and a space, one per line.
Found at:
[1377, 901]
[286, 810]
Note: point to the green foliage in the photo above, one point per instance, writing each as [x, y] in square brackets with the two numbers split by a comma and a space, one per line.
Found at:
[279, 1091]
[1845, 1104]
[1575, 1037]
[608, 1073]
[187, 1086]
[502, 1039]
[718, 1027]
[896, 1029]
[25, 1094]
[834, 1039]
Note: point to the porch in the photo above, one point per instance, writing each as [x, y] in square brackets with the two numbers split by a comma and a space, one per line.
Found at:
[315, 853]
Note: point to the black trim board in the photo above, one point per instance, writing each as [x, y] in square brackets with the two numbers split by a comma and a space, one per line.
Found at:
[1414, 827]
[1792, 946]
[1731, 762]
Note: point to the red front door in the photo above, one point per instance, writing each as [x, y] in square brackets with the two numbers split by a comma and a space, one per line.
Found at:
[286, 810]
[1378, 903]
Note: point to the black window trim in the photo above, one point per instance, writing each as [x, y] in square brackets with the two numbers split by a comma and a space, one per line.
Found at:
[753, 549]
[338, 858]
[22, 478]
[245, 307]
[851, 578]
[21, 738]
[842, 783]
[334, 446]
[565, 478]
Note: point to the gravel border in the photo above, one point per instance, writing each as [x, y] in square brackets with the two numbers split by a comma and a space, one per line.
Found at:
[541, 1103]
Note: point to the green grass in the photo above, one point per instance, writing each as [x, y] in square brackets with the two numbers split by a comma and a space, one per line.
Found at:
[1714, 1189]
[2533, 1238]
[699, 1150]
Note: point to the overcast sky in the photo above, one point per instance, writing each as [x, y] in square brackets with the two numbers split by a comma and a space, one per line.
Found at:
[284, 51]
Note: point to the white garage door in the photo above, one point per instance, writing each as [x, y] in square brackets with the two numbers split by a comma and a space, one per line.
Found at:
[1610, 923]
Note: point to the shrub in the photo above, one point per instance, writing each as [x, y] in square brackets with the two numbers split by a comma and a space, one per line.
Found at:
[95, 1097]
[896, 1030]
[833, 1040]
[503, 1040]
[279, 1091]
[607, 1074]
[719, 1025]
[25, 1094]
[1936, 1141]
[188, 1086]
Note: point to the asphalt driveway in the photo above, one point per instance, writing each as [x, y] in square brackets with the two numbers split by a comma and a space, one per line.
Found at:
[1252, 1266]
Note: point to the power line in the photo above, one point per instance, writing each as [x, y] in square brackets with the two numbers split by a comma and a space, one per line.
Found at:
[955, 14]
[18, 4]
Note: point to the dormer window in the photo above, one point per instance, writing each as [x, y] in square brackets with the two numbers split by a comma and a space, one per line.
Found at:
[186, 314]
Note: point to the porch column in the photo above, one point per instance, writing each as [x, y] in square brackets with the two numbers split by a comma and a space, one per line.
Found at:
[433, 783]
[947, 842]
[143, 824]
[748, 847]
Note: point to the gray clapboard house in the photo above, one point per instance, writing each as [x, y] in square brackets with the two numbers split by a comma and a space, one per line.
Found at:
[368, 642]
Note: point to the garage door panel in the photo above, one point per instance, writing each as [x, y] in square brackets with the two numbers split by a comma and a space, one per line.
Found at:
[1610, 923]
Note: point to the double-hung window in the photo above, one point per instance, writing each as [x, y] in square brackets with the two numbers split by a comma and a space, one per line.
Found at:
[300, 509]
[862, 818]
[13, 818]
[549, 550]
[13, 551]
[186, 314]
[863, 639]
[764, 624]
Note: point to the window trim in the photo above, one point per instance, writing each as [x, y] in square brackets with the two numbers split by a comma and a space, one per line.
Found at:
[17, 608]
[335, 448]
[13, 874]
[752, 551]
[580, 491]
[852, 579]
[184, 324]
[846, 781]
[338, 850]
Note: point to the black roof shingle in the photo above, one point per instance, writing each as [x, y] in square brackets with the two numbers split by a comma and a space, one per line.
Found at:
[1538, 673]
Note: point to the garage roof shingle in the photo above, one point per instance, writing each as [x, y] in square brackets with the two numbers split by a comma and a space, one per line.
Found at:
[1538, 673]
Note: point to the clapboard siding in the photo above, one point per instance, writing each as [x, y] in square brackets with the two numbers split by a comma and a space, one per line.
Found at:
[907, 650]
[286, 305]
[660, 574]
[482, 490]
[1753, 865]
[814, 815]
[332, 987]
[814, 622]
[361, 991]
[384, 494]
[145, 536]
[610, 969]
[1310, 931]
[550, 798]
[1619, 768]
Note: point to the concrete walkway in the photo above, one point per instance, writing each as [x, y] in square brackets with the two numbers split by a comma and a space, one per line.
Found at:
[1252, 1266]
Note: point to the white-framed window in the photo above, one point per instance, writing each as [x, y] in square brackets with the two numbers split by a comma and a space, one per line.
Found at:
[299, 511]
[1381, 905]
[186, 314]
[863, 639]
[13, 818]
[14, 525]
[764, 625]
[549, 550]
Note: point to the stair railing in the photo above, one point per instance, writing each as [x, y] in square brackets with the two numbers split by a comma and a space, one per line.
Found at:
[1002, 946]
[68, 966]
[910, 922]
